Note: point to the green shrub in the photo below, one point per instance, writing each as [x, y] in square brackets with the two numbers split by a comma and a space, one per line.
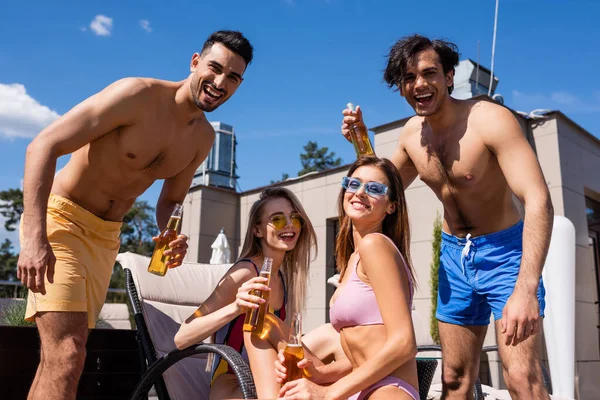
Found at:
[435, 266]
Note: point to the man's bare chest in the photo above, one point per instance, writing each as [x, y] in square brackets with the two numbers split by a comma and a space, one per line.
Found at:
[457, 163]
[156, 153]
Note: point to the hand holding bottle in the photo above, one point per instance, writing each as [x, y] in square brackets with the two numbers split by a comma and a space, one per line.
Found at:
[170, 247]
[351, 118]
[244, 299]
[356, 131]
[176, 251]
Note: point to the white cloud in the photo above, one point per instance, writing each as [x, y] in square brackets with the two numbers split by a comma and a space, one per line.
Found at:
[145, 24]
[20, 114]
[560, 100]
[101, 25]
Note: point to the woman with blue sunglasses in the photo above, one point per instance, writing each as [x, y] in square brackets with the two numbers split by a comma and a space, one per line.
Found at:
[371, 309]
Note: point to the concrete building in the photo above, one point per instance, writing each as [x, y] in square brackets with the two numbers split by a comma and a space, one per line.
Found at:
[570, 160]
[219, 167]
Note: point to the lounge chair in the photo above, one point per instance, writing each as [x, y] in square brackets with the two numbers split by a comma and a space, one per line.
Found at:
[160, 305]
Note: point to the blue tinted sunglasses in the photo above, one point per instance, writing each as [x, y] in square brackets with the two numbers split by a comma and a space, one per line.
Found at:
[373, 189]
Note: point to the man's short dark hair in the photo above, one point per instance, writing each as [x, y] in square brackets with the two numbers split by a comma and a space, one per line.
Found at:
[407, 47]
[234, 41]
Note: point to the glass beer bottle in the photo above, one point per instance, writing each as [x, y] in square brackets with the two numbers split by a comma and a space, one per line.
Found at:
[158, 262]
[255, 317]
[294, 352]
[360, 137]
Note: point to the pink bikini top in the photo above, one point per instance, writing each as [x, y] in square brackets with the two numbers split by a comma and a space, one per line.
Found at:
[356, 303]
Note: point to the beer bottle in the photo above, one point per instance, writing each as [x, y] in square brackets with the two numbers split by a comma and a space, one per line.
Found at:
[255, 317]
[360, 137]
[293, 352]
[158, 262]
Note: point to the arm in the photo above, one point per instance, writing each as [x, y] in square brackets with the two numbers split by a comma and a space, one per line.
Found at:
[331, 372]
[401, 159]
[524, 177]
[89, 120]
[176, 188]
[222, 306]
[386, 273]
[174, 191]
[324, 350]
[324, 359]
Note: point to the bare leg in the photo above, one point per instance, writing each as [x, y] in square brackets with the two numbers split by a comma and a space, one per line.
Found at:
[461, 349]
[388, 393]
[224, 387]
[262, 353]
[37, 375]
[63, 336]
[321, 345]
[324, 344]
[521, 367]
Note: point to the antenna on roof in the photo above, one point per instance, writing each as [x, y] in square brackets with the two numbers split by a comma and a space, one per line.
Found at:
[477, 70]
[493, 50]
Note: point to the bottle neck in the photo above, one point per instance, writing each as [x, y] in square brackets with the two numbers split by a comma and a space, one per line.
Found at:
[296, 330]
[177, 210]
[174, 224]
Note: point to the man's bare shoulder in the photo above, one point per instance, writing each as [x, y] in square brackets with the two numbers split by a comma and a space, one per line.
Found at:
[490, 120]
[134, 86]
[130, 86]
[411, 129]
[483, 112]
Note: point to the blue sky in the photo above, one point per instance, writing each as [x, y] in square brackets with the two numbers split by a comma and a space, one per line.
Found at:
[311, 58]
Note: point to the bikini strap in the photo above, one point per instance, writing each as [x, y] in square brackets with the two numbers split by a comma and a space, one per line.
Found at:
[251, 262]
[410, 281]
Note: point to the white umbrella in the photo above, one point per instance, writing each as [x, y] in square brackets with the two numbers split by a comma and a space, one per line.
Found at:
[334, 280]
[220, 249]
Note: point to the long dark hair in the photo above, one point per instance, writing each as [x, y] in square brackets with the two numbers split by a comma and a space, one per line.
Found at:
[395, 225]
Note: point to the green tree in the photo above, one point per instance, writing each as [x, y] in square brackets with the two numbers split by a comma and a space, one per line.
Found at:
[11, 207]
[317, 159]
[8, 268]
[284, 176]
[139, 226]
[435, 266]
[8, 261]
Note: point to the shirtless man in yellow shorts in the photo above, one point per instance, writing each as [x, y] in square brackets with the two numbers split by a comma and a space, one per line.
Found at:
[122, 139]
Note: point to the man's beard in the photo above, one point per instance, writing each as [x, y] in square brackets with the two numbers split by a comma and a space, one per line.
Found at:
[196, 98]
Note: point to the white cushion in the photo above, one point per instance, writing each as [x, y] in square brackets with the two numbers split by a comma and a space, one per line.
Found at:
[168, 301]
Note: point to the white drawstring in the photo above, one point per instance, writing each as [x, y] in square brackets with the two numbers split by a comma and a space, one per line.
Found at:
[465, 252]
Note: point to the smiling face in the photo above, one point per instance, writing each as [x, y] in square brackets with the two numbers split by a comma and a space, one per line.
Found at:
[217, 73]
[279, 227]
[425, 86]
[362, 207]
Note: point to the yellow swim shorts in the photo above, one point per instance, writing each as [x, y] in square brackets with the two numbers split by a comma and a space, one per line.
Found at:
[85, 247]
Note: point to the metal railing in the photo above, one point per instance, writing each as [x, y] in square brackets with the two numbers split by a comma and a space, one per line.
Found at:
[19, 287]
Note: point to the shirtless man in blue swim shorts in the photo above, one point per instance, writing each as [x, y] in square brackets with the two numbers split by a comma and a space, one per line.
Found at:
[474, 156]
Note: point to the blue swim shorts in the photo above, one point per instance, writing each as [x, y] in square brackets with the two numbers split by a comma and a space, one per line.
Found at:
[477, 275]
